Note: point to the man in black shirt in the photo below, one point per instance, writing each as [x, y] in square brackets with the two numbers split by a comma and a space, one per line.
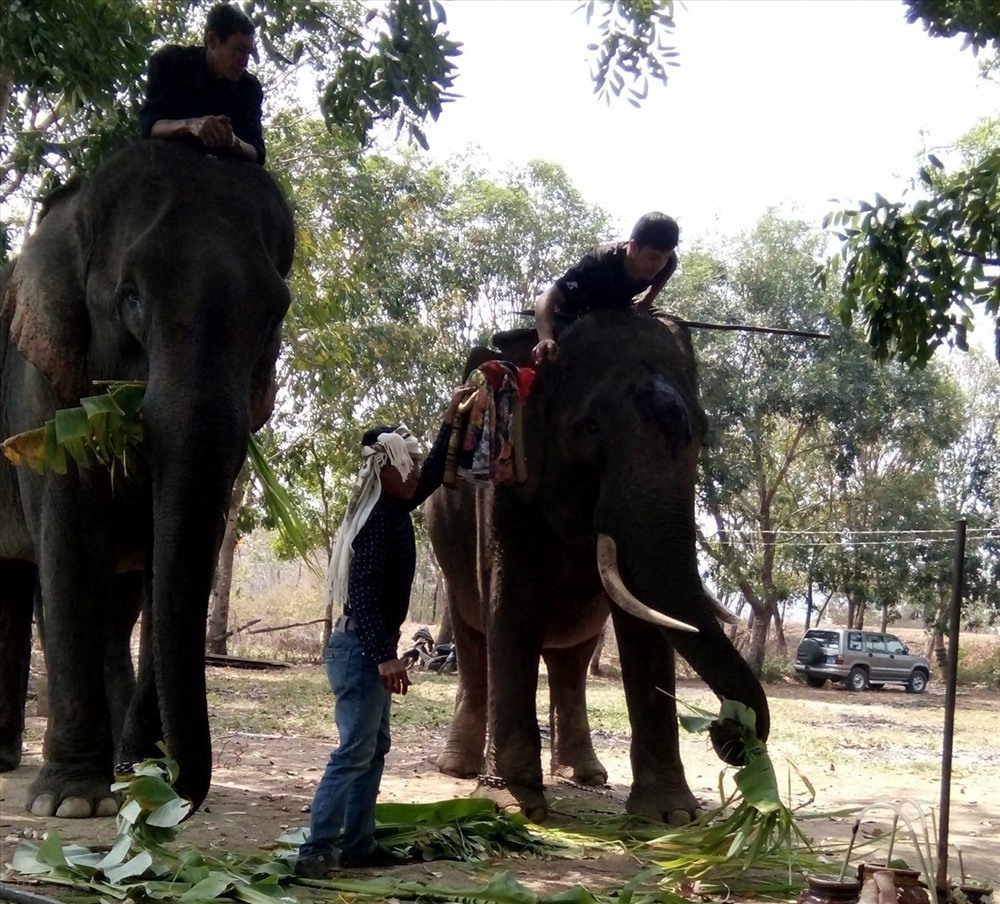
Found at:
[609, 276]
[204, 94]
[371, 572]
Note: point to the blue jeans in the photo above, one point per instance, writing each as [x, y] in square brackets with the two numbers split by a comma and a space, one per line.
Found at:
[345, 798]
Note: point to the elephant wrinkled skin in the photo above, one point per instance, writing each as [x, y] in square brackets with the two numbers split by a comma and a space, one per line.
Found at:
[165, 265]
[613, 430]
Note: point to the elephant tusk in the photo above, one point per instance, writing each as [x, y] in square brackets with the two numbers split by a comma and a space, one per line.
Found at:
[607, 566]
[721, 612]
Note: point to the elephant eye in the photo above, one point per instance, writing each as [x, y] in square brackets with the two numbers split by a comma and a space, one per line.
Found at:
[130, 309]
[129, 294]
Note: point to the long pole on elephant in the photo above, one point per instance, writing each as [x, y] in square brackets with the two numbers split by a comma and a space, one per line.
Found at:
[951, 674]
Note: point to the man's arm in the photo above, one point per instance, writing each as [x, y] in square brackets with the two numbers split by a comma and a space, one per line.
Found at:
[248, 122]
[545, 317]
[432, 470]
[659, 281]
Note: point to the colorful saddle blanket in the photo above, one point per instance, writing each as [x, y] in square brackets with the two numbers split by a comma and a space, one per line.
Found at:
[486, 444]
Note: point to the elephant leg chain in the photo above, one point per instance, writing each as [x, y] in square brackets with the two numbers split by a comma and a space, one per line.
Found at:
[590, 789]
[491, 781]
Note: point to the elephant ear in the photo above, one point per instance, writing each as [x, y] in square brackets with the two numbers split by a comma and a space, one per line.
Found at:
[264, 383]
[44, 298]
[516, 345]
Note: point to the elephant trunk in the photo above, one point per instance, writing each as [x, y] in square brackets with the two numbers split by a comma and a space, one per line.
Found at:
[659, 566]
[197, 441]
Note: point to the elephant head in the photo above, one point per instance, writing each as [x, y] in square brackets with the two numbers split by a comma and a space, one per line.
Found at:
[613, 435]
[165, 265]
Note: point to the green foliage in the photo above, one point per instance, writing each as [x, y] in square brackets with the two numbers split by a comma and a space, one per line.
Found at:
[631, 50]
[776, 668]
[404, 73]
[914, 271]
[978, 21]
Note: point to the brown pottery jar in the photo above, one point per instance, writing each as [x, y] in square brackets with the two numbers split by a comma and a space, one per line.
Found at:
[827, 890]
[909, 888]
[975, 894]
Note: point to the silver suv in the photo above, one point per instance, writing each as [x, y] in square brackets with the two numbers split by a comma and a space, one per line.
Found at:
[861, 659]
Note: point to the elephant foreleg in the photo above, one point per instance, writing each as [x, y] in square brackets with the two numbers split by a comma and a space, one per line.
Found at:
[572, 751]
[659, 788]
[17, 590]
[513, 746]
[77, 590]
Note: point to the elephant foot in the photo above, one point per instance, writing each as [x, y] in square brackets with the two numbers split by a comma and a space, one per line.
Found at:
[672, 803]
[529, 800]
[458, 764]
[10, 756]
[586, 772]
[53, 794]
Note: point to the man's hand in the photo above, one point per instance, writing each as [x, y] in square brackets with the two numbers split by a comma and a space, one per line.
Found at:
[457, 397]
[395, 678]
[213, 131]
[546, 350]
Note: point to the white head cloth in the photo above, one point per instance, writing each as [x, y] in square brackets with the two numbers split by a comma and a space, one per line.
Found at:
[397, 449]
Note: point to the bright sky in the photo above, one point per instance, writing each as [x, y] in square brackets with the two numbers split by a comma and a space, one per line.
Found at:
[774, 103]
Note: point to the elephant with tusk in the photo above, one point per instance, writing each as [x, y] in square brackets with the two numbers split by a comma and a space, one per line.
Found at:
[604, 522]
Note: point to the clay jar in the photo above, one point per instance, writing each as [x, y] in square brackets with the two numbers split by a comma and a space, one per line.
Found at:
[828, 890]
[909, 889]
[975, 894]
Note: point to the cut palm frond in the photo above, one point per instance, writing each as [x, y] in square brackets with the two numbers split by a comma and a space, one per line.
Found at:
[107, 429]
[103, 429]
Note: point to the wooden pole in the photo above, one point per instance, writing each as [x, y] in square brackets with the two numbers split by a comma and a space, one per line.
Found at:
[951, 676]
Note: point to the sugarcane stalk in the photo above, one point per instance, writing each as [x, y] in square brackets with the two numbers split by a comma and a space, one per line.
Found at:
[850, 847]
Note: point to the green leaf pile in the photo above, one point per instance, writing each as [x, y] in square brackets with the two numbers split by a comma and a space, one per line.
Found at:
[750, 846]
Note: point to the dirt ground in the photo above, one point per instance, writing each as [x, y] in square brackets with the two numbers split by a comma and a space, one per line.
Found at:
[854, 749]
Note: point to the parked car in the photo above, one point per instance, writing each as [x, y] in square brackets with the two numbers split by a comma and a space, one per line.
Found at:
[861, 659]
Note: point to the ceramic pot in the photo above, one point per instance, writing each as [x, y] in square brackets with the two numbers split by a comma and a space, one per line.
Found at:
[827, 890]
[975, 894]
[909, 888]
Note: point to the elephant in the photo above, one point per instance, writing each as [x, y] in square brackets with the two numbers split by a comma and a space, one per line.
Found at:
[165, 265]
[612, 432]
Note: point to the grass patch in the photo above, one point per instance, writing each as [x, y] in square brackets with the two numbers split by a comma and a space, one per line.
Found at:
[979, 665]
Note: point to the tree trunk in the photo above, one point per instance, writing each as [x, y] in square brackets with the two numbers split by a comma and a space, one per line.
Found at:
[758, 639]
[884, 622]
[779, 632]
[218, 620]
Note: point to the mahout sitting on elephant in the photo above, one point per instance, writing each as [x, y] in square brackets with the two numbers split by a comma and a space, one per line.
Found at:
[612, 435]
[165, 265]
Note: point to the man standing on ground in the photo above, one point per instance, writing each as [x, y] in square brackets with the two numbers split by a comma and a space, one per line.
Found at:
[371, 572]
[204, 95]
[610, 276]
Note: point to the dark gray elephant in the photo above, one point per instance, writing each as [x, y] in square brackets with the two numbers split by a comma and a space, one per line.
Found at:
[613, 431]
[165, 265]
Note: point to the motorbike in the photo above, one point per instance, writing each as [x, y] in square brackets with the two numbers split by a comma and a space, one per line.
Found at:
[429, 656]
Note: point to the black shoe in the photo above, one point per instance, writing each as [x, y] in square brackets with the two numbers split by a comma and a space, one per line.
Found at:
[317, 866]
[377, 856]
